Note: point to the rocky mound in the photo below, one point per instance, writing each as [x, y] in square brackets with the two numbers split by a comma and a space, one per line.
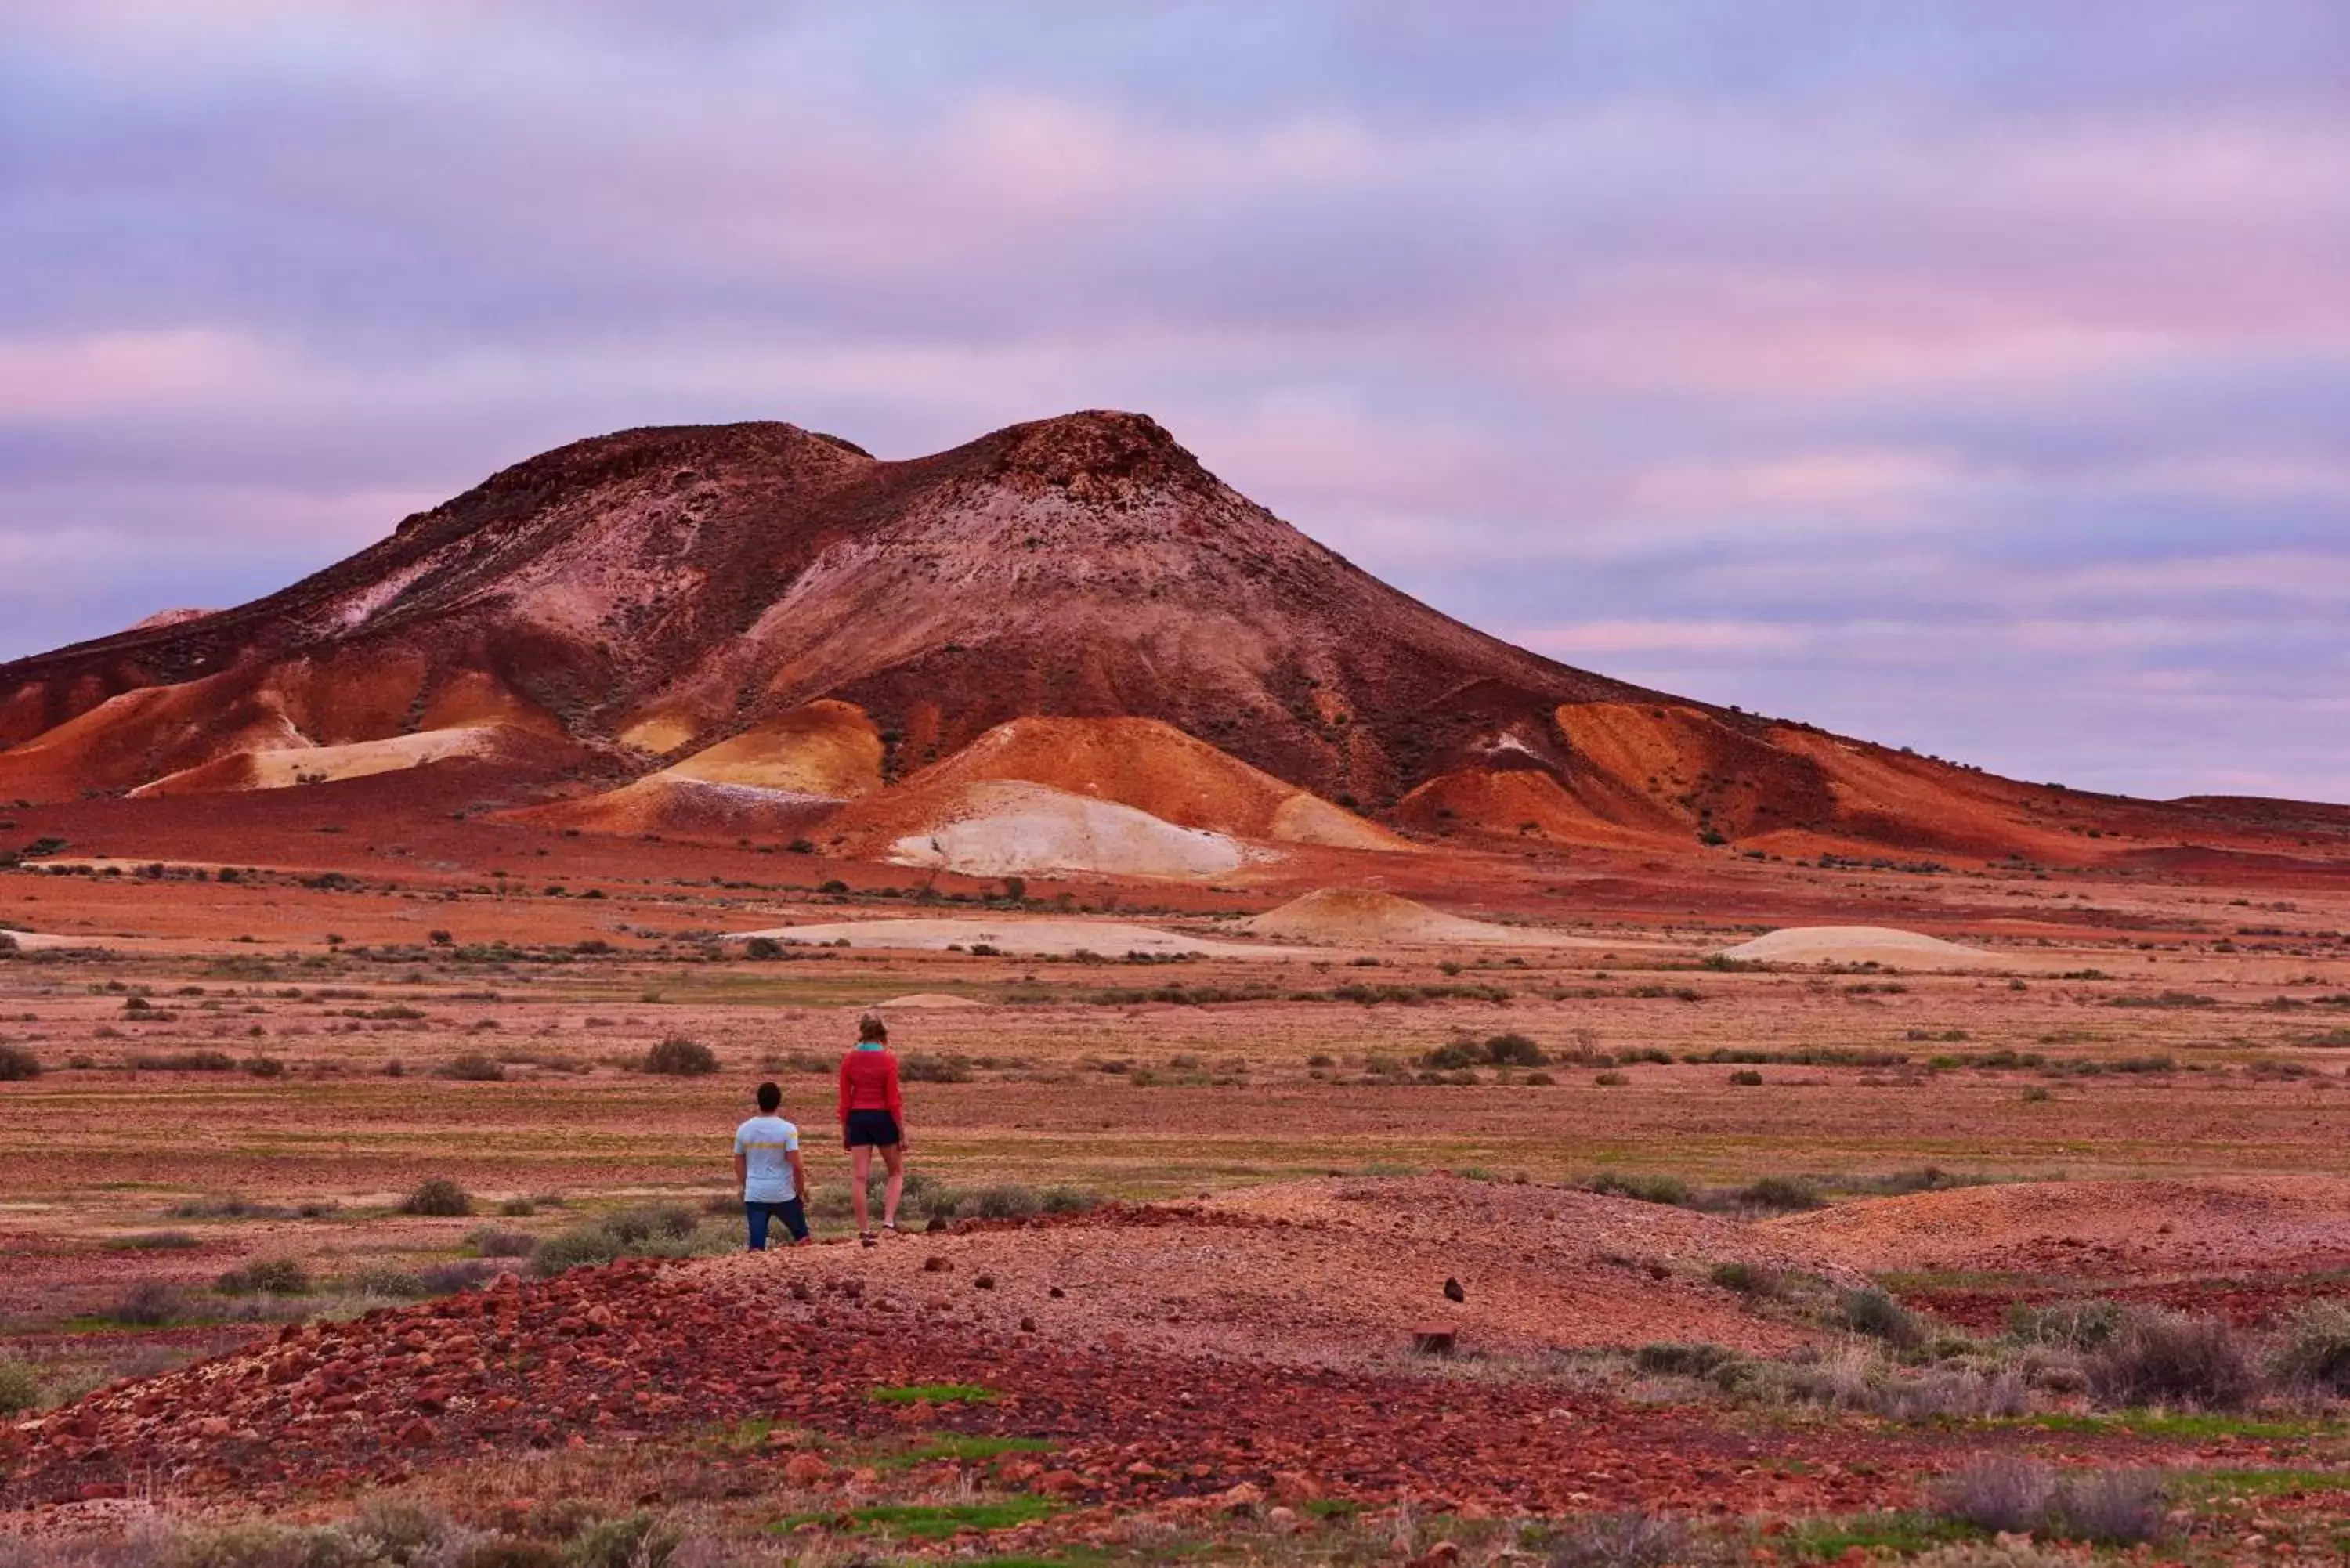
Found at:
[1366, 917]
[1885, 946]
[2088, 1227]
[284, 767]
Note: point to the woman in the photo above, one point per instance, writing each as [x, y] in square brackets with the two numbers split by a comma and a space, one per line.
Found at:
[873, 1116]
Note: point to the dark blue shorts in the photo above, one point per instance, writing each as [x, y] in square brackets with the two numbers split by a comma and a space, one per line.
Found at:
[790, 1212]
[876, 1127]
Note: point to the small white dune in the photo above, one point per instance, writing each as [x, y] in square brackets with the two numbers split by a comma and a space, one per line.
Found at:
[1887, 946]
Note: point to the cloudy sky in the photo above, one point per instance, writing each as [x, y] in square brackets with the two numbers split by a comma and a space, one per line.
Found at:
[1971, 374]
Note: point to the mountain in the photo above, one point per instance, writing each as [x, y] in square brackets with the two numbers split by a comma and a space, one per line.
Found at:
[755, 626]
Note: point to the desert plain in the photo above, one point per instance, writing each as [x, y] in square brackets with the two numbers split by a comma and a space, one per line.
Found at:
[1383, 1209]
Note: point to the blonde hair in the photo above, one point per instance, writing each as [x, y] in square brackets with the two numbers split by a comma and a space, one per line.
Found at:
[870, 1027]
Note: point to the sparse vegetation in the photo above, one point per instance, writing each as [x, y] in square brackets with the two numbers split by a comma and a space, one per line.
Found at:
[677, 1056]
[439, 1198]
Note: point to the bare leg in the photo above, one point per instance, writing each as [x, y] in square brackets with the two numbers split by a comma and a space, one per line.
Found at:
[893, 1158]
[860, 1165]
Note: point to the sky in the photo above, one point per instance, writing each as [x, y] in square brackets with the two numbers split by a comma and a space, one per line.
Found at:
[1969, 374]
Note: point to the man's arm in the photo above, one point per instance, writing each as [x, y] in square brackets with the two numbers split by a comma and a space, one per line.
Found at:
[741, 1171]
[799, 1176]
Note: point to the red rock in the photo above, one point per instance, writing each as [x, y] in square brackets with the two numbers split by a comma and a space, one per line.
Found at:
[417, 1434]
[806, 1470]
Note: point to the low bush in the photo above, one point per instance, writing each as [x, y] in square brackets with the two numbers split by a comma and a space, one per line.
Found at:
[473, 1067]
[464, 1274]
[265, 1277]
[17, 1064]
[1788, 1193]
[384, 1280]
[439, 1198]
[922, 1067]
[2313, 1350]
[155, 1242]
[679, 1057]
[2174, 1358]
[1005, 1200]
[1621, 1541]
[1066, 1199]
[665, 1230]
[2005, 1495]
[490, 1241]
[1749, 1279]
[1612, 1080]
[517, 1209]
[151, 1304]
[1746, 1079]
[1669, 1190]
[2066, 1325]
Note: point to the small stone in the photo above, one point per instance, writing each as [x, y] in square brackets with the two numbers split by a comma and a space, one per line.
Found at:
[1056, 1293]
[935, 1264]
[806, 1469]
[417, 1434]
[1027, 1325]
[1452, 1290]
[983, 1282]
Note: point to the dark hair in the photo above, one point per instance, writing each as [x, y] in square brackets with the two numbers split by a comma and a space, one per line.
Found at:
[770, 1097]
[870, 1027]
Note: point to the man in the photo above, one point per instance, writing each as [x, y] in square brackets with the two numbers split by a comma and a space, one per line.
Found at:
[767, 1165]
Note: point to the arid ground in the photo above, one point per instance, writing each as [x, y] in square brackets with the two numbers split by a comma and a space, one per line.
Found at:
[1771, 1261]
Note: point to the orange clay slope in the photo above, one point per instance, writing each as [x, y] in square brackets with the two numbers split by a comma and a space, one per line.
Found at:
[778, 777]
[1132, 796]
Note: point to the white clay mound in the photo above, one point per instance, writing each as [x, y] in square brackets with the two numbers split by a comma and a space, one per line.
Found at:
[1016, 828]
[1361, 915]
[1883, 945]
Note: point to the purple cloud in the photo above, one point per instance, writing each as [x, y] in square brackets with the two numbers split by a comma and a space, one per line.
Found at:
[1971, 378]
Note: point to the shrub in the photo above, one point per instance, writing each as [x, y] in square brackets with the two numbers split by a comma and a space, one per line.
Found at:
[1684, 1360]
[667, 1230]
[517, 1209]
[1748, 1279]
[2005, 1495]
[2174, 1358]
[1514, 1050]
[762, 948]
[1746, 1079]
[1647, 1188]
[2067, 1325]
[464, 1274]
[1066, 1199]
[20, 1387]
[575, 1248]
[150, 1304]
[263, 1066]
[473, 1067]
[679, 1057]
[1612, 1080]
[384, 1280]
[489, 1241]
[1621, 1541]
[1873, 1313]
[1005, 1200]
[16, 1064]
[265, 1277]
[2313, 1350]
[439, 1198]
[922, 1069]
[1784, 1192]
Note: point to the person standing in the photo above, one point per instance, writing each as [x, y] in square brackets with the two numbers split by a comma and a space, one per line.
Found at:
[767, 1167]
[873, 1116]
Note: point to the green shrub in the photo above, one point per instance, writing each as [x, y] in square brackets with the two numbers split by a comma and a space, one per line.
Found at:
[1647, 1188]
[1746, 1079]
[1748, 1279]
[439, 1198]
[1005, 1200]
[679, 1057]
[17, 1064]
[1874, 1313]
[1067, 1200]
[764, 948]
[1514, 1050]
[384, 1280]
[579, 1247]
[2067, 1325]
[1782, 1192]
[265, 1277]
[20, 1387]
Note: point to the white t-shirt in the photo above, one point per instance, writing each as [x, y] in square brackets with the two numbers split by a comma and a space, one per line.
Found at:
[765, 1144]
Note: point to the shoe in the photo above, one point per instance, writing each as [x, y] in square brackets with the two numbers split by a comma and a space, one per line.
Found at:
[867, 1238]
[889, 1228]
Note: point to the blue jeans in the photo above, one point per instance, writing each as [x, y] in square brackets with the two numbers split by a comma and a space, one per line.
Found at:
[795, 1219]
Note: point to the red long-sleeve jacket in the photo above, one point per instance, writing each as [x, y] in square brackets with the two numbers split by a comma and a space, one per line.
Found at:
[868, 1082]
